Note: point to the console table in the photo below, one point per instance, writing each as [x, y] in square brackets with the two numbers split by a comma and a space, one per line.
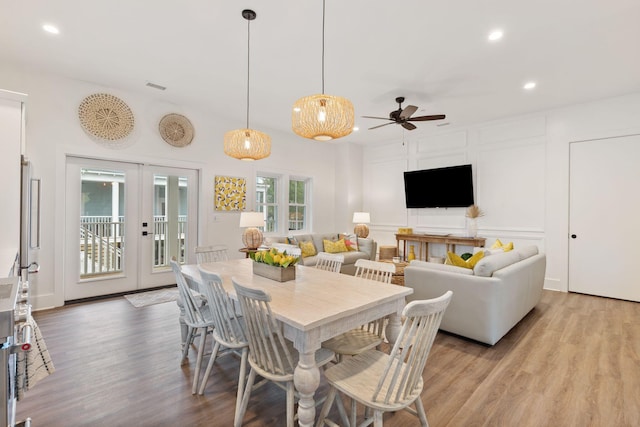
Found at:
[424, 240]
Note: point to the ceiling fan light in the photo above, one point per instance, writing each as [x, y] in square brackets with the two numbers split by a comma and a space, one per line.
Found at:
[322, 117]
[247, 144]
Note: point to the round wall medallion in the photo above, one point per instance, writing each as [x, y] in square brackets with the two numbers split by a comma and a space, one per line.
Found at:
[105, 117]
[176, 130]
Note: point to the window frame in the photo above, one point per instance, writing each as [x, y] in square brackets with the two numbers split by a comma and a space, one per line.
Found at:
[282, 184]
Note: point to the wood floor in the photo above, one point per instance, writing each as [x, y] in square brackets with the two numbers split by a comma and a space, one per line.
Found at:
[573, 361]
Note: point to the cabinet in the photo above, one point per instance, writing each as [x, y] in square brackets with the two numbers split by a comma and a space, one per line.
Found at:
[424, 239]
[12, 142]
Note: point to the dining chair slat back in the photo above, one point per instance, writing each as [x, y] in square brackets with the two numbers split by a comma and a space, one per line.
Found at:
[329, 262]
[213, 253]
[375, 270]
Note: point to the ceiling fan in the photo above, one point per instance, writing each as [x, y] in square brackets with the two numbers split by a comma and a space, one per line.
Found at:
[402, 116]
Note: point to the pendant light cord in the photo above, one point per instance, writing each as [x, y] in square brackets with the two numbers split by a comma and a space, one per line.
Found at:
[248, 65]
[323, 15]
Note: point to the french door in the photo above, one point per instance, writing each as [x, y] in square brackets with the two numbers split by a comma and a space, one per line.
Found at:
[124, 222]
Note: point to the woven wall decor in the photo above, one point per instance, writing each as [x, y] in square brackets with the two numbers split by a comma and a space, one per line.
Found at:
[176, 130]
[105, 117]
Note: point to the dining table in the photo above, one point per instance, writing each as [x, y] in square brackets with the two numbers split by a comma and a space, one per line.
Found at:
[313, 307]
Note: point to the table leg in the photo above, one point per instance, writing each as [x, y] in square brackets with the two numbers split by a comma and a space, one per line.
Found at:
[306, 378]
[393, 328]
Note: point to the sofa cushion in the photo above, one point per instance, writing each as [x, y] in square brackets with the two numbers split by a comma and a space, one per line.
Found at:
[486, 266]
[527, 251]
[441, 267]
[458, 261]
[334, 247]
[308, 248]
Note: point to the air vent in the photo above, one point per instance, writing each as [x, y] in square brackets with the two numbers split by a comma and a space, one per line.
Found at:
[155, 86]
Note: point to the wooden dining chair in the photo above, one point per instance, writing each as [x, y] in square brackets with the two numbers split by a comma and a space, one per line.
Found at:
[198, 319]
[329, 262]
[270, 355]
[211, 254]
[388, 382]
[370, 335]
[228, 332]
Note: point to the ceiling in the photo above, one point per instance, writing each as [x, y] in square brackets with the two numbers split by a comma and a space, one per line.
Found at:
[435, 54]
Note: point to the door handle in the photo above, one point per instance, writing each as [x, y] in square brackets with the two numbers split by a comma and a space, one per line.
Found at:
[146, 233]
[573, 236]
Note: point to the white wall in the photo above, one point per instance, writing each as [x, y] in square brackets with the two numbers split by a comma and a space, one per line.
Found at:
[521, 176]
[53, 130]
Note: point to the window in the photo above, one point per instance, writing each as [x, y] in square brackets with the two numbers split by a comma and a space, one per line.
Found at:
[267, 201]
[295, 202]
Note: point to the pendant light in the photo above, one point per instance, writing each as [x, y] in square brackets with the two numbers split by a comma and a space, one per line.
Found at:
[322, 117]
[247, 144]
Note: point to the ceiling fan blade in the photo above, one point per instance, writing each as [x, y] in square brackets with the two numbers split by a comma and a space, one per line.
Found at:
[408, 111]
[379, 126]
[371, 117]
[426, 118]
[408, 126]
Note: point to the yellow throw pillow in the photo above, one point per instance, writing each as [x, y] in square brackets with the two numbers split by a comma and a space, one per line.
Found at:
[499, 245]
[335, 247]
[455, 259]
[308, 249]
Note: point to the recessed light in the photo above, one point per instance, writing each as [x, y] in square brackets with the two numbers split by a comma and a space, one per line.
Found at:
[529, 85]
[495, 35]
[51, 29]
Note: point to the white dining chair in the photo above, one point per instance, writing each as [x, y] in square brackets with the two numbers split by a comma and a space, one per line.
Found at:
[211, 254]
[198, 319]
[228, 332]
[270, 355]
[329, 262]
[370, 335]
[388, 382]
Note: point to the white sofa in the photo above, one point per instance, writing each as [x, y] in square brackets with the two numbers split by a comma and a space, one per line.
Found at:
[487, 301]
[367, 248]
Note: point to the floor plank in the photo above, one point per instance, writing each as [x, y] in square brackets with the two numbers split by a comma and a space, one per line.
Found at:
[573, 361]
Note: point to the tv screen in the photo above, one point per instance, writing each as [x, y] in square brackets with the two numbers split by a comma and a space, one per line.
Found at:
[450, 187]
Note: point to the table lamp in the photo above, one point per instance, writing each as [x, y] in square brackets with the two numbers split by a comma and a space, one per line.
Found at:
[252, 237]
[361, 219]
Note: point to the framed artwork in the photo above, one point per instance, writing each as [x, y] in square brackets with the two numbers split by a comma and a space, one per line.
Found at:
[230, 193]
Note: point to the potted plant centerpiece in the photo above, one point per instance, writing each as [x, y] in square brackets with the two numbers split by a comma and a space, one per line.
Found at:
[274, 264]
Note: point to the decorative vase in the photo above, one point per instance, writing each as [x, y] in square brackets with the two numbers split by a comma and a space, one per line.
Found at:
[274, 272]
[412, 254]
[472, 227]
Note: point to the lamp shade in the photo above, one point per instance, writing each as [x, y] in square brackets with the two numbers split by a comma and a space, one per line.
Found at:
[247, 144]
[322, 117]
[361, 218]
[251, 219]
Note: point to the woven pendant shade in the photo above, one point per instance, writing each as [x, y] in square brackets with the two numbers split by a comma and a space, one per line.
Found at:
[322, 117]
[247, 144]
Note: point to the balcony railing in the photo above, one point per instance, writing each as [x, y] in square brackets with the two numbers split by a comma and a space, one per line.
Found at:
[102, 244]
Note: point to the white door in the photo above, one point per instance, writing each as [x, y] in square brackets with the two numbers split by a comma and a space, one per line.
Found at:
[603, 220]
[110, 223]
[169, 219]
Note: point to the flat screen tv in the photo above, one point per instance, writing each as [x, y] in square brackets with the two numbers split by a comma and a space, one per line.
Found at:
[450, 187]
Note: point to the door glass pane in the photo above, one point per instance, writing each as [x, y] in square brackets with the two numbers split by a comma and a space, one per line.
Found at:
[266, 201]
[102, 222]
[169, 220]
